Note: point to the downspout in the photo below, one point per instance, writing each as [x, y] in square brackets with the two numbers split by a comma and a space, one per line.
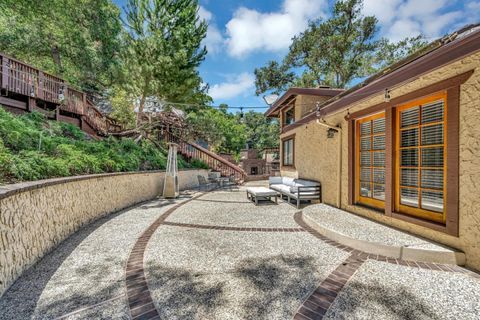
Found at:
[339, 172]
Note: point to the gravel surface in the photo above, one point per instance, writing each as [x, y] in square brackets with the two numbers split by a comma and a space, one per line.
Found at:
[197, 273]
[212, 274]
[86, 269]
[360, 228]
[381, 290]
[225, 208]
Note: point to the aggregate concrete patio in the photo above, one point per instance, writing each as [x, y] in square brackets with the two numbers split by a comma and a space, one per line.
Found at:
[217, 256]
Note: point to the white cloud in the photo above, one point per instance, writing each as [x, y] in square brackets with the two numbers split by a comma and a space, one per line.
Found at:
[407, 18]
[236, 86]
[214, 40]
[403, 28]
[204, 14]
[384, 10]
[250, 30]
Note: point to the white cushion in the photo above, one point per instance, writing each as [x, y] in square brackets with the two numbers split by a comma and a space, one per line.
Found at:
[283, 188]
[305, 183]
[275, 187]
[288, 181]
[275, 180]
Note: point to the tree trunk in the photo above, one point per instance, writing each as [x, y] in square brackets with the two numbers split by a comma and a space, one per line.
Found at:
[142, 101]
[140, 109]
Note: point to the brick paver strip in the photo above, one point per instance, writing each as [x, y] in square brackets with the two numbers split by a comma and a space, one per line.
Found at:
[319, 301]
[227, 228]
[140, 300]
[317, 304]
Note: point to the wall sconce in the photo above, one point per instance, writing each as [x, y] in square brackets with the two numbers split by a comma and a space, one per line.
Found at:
[331, 133]
[387, 95]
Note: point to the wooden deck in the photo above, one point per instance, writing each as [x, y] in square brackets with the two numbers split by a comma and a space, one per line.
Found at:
[24, 88]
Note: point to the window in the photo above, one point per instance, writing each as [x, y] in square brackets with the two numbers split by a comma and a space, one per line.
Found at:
[422, 156]
[289, 116]
[421, 163]
[287, 152]
[370, 161]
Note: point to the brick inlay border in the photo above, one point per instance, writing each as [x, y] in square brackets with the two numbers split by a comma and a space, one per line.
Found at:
[320, 300]
[317, 304]
[140, 301]
[227, 228]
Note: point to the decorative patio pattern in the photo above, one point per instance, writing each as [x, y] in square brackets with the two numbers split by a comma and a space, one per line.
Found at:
[317, 304]
[139, 299]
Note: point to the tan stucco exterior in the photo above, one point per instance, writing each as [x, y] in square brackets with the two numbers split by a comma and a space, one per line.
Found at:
[316, 157]
[37, 216]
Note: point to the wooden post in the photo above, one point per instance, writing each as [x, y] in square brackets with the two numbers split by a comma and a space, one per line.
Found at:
[84, 105]
[32, 103]
[5, 73]
[41, 84]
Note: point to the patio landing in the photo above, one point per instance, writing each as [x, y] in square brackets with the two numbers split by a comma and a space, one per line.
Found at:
[375, 238]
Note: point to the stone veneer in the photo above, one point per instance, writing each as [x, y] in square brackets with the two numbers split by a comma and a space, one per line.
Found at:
[37, 216]
[316, 158]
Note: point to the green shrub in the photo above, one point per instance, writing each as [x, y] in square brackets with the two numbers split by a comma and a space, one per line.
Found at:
[32, 148]
[195, 163]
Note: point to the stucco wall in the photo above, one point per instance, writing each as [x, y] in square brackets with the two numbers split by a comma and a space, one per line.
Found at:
[316, 158]
[36, 216]
[306, 104]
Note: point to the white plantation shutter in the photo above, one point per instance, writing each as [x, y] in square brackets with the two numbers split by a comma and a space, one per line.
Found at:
[421, 156]
[371, 160]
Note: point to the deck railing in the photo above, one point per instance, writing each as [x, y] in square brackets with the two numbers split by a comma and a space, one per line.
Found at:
[20, 78]
[192, 150]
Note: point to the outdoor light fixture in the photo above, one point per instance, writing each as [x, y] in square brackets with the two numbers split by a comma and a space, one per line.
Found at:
[387, 95]
[331, 132]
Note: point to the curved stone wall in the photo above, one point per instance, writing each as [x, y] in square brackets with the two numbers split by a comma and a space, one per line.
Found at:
[36, 216]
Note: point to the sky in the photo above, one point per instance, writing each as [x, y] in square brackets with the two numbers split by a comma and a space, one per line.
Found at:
[246, 34]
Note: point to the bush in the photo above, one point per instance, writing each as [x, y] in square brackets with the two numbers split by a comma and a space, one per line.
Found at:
[32, 148]
[195, 163]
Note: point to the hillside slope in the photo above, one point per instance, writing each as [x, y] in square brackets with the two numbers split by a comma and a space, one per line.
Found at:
[33, 148]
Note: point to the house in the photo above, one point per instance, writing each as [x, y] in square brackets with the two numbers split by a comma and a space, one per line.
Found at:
[402, 147]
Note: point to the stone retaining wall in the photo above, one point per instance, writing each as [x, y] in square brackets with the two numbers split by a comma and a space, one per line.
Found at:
[37, 216]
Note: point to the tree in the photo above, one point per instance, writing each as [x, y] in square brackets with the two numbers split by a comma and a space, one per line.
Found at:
[77, 40]
[389, 53]
[222, 131]
[333, 52]
[163, 50]
[273, 76]
[122, 107]
[261, 131]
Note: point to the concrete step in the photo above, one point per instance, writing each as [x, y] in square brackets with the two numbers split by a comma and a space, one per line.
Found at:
[375, 238]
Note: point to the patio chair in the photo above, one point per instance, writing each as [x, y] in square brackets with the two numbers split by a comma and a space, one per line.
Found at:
[203, 184]
[230, 184]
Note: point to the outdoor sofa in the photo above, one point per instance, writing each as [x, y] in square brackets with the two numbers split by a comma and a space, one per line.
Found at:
[298, 189]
